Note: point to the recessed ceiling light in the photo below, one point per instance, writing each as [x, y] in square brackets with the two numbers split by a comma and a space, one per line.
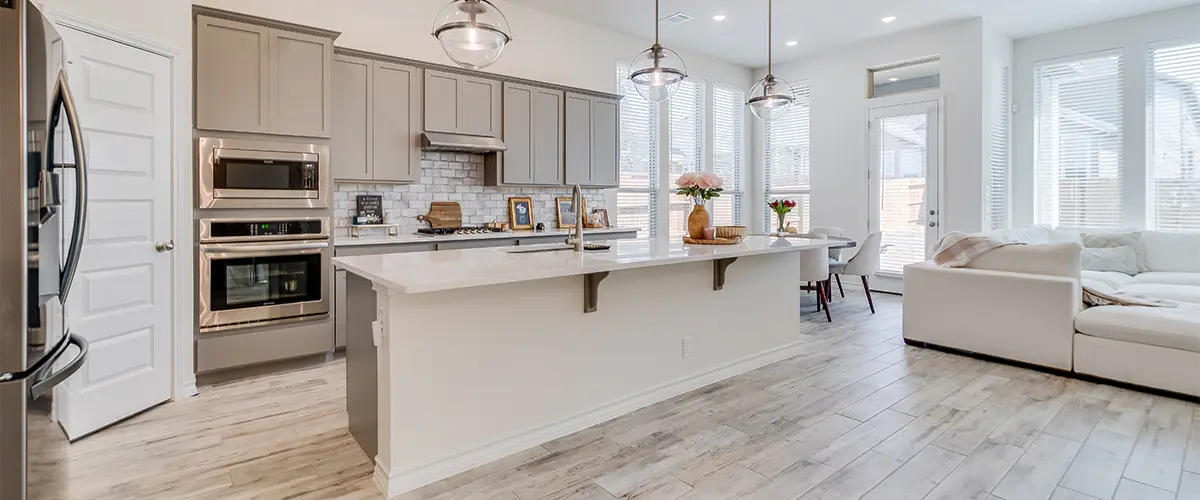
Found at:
[792, 43]
[893, 79]
[888, 19]
[719, 17]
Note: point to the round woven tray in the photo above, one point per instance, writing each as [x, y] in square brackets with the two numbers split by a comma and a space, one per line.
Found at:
[718, 241]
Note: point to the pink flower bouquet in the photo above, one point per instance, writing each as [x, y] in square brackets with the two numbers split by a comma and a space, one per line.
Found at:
[700, 186]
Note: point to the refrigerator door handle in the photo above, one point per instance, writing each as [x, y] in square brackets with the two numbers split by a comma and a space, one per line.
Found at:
[35, 370]
[46, 381]
[63, 98]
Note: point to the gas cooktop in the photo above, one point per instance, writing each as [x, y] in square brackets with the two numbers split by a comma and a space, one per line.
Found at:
[461, 230]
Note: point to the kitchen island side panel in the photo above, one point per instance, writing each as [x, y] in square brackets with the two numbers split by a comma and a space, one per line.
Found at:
[361, 365]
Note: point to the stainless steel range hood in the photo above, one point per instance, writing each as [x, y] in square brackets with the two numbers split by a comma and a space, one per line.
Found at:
[438, 141]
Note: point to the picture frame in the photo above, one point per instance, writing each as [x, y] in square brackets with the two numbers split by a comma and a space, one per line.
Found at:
[566, 213]
[600, 216]
[520, 212]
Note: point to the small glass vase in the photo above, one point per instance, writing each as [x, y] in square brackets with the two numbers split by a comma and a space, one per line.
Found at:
[782, 229]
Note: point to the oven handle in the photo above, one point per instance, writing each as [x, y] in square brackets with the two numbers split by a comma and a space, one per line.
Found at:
[239, 248]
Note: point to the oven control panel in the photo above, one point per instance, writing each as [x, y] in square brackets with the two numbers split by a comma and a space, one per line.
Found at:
[250, 228]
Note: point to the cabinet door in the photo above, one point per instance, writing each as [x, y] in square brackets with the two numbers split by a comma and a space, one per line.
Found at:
[606, 143]
[479, 106]
[396, 108]
[351, 146]
[548, 137]
[301, 77]
[518, 127]
[578, 139]
[232, 76]
[441, 102]
[465, 244]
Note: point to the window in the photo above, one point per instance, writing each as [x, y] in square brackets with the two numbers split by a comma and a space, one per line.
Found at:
[995, 193]
[637, 196]
[1173, 136]
[787, 162]
[1078, 163]
[728, 117]
[685, 138]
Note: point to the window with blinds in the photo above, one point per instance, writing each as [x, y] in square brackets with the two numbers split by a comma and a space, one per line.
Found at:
[787, 162]
[1078, 164]
[728, 120]
[637, 195]
[1173, 121]
[995, 193]
[685, 142]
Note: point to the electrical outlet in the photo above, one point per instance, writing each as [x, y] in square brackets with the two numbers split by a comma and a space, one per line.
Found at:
[687, 347]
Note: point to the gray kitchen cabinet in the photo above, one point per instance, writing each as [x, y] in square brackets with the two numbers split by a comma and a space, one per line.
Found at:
[382, 248]
[592, 141]
[548, 137]
[464, 244]
[376, 122]
[339, 308]
[261, 79]
[461, 104]
[533, 133]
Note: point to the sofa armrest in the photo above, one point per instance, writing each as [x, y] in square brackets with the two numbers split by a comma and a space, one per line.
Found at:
[1017, 316]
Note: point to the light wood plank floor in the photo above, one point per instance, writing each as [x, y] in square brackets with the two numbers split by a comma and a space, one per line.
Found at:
[859, 415]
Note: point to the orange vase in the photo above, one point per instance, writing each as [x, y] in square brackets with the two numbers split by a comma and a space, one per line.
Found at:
[697, 221]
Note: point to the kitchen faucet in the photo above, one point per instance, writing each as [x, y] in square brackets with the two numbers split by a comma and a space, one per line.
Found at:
[577, 207]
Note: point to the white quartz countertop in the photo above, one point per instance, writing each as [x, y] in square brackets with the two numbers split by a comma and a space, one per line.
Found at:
[418, 238]
[422, 272]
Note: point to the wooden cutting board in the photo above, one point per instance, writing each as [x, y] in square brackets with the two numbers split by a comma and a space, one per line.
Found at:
[443, 215]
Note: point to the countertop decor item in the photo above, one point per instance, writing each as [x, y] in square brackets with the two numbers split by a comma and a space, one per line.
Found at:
[700, 187]
[714, 241]
[771, 97]
[473, 33]
[566, 213]
[520, 212]
[710, 233]
[600, 217]
[736, 232]
[657, 72]
[443, 215]
[781, 209]
[368, 209]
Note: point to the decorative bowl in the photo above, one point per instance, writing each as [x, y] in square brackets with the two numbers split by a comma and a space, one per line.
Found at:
[737, 232]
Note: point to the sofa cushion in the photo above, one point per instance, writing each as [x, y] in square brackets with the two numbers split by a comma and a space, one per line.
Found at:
[1115, 259]
[1167, 251]
[1176, 328]
[1113, 280]
[1105, 240]
[1165, 278]
[1178, 293]
[1060, 259]
[1037, 235]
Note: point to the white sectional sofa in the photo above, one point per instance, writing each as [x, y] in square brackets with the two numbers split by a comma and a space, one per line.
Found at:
[1024, 303]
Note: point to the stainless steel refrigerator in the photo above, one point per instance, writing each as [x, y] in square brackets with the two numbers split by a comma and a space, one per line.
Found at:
[43, 193]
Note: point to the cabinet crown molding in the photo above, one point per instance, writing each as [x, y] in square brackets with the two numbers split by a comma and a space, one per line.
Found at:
[262, 21]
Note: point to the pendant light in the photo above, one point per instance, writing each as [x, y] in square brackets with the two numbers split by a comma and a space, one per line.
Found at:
[771, 97]
[657, 72]
[473, 33]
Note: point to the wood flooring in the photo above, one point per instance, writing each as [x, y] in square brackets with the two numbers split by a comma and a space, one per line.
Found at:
[859, 415]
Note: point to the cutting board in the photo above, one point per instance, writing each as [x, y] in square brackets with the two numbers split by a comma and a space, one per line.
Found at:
[443, 215]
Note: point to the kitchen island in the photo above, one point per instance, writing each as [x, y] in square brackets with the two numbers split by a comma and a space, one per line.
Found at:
[457, 358]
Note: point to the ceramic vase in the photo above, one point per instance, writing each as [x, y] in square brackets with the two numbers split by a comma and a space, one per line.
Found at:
[697, 221]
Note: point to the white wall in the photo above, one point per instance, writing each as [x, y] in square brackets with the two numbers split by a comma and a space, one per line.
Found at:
[838, 81]
[1130, 36]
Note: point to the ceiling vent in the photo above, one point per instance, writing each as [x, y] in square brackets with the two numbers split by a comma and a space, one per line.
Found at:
[676, 18]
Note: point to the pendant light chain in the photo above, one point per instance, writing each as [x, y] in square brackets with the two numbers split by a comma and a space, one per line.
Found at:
[656, 18]
[770, 25]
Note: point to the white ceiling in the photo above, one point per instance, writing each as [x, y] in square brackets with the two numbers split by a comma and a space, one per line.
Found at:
[819, 25]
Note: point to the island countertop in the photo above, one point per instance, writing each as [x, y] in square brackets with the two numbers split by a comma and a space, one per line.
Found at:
[423, 272]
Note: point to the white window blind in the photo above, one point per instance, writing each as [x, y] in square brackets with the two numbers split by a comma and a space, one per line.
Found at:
[728, 120]
[1079, 160]
[995, 194]
[685, 138]
[1173, 108]
[787, 161]
[637, 195]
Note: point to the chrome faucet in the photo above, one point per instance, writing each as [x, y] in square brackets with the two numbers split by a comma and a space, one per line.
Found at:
[577, 206]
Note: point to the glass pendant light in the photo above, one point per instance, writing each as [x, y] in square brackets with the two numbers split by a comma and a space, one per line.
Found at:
[472, 32]
[771, 97]
[657, 72]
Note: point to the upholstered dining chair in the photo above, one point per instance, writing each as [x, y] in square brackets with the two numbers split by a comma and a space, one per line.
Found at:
[834, 253]
[814, 268]
[864, 264]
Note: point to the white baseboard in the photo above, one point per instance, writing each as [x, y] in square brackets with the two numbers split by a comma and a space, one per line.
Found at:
[405, 481]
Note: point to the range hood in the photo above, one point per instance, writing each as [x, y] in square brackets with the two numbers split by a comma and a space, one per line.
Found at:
[459, 143]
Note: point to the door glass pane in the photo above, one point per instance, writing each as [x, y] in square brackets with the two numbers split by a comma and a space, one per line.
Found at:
[902, 165]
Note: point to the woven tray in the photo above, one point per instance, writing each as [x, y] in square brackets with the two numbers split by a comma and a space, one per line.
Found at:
[718, 241]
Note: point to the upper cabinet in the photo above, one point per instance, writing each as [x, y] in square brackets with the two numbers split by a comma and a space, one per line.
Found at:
[260, 78]
[593, 140]
[377, 121]
[462, 104]
[533, 133]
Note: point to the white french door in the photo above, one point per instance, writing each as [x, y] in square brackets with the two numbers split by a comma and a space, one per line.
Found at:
[904, 178]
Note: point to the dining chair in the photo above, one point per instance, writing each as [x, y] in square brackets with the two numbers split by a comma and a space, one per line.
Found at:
[814, 268]
[834, 253]
[865, 263]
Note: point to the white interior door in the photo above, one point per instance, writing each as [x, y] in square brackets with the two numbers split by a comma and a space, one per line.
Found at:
[904, 171]
[121, 300]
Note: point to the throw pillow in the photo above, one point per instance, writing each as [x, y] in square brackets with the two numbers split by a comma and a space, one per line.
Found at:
[1121, 259]
[1134, 240]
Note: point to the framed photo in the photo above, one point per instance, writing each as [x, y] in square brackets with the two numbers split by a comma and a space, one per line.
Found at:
[520, 213]
[599, 218]
[566, 212]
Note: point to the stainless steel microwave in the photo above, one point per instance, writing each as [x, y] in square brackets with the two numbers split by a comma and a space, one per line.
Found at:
[236, 173]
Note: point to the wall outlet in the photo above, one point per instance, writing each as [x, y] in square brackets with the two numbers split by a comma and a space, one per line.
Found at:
[687, 347]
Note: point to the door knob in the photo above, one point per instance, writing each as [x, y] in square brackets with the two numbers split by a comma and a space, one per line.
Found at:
[164, 246]
[932, 224]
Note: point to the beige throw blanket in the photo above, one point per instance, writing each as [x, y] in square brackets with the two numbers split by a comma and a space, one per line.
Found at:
[959, 249]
